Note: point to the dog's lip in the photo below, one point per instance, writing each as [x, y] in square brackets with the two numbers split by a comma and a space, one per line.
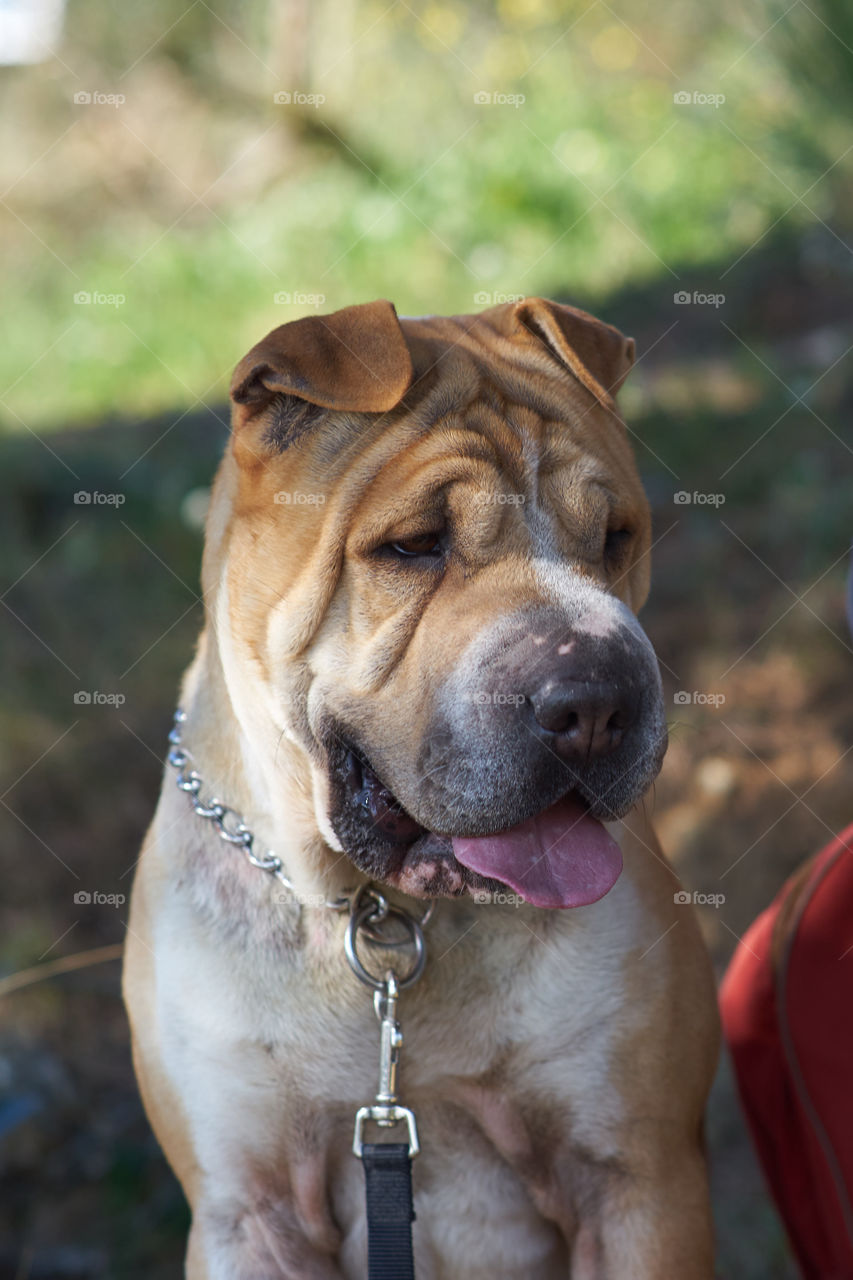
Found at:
[382, 807]
[390, 818]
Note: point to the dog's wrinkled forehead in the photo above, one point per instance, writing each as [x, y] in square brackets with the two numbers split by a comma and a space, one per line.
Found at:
[365, 360]
[383, 423]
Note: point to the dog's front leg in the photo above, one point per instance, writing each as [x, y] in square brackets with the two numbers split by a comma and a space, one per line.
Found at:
[649, 1228]
[263, 1241]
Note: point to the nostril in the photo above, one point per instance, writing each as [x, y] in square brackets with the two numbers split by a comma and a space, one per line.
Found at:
[584, 720]
[556, 708]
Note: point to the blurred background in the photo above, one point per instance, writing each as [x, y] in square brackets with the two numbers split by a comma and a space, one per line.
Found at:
[179, 178]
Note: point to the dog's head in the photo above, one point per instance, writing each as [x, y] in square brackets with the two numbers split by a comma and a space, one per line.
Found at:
[433, 546]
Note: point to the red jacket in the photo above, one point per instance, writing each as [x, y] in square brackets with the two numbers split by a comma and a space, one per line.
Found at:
[787, 1006]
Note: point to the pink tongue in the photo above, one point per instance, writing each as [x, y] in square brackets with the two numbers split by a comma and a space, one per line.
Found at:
[561, 858]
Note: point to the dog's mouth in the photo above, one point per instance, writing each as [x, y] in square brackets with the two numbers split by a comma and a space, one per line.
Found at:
[380, 806]
[559, 857]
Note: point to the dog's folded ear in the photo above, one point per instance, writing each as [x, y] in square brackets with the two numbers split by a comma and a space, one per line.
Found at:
[354, 359]
[598, 355]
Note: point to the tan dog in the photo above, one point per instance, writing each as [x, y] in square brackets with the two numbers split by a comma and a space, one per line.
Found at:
[426, 548]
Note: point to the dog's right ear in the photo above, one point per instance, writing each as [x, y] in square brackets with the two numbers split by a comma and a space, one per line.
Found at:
[354, 359]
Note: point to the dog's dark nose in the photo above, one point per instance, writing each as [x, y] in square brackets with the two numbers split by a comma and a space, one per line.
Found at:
[583, 721]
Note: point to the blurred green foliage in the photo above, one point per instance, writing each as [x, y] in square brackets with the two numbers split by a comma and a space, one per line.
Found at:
[200, 198]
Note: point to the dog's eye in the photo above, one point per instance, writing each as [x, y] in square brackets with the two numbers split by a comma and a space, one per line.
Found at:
[422, 544]
[616, 544]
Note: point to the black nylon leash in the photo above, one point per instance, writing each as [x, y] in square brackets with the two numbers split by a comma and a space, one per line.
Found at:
[390, 1211]
[387, 1165]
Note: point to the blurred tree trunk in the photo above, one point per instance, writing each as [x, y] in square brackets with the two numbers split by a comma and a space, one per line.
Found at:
[335, 51]
[313, 48]
[311, 45]
[289, 43]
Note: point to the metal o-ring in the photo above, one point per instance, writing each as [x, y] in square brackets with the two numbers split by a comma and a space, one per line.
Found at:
[357, 920]
[371, 929]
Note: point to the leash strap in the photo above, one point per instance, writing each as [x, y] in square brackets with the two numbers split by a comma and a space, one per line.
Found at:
[390, 1211]
[387, 1165]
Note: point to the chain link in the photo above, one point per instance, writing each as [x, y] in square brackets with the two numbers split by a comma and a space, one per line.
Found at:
[226, 821]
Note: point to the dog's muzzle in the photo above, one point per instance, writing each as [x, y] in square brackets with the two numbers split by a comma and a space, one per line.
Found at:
[544, 729]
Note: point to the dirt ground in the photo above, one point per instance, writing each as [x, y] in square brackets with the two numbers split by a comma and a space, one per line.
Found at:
[746, 613]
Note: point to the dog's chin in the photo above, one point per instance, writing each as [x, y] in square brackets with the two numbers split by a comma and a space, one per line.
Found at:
[388, 844]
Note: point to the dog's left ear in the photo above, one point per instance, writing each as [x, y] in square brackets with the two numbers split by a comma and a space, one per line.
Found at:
[354, 359]
[598, 355]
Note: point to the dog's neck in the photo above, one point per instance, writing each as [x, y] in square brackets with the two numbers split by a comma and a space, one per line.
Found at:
[255, 768]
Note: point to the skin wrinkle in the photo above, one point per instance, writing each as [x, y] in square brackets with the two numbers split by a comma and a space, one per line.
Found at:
[445, 472]
[346, 501]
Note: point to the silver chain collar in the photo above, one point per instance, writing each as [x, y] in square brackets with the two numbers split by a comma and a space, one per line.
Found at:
[226, 821]
[369, 907]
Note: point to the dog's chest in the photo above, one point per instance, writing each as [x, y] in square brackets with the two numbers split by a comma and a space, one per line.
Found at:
[294, 1045]
[508, 1041]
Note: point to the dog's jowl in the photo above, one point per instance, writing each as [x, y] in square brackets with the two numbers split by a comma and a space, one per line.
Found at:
[422, 669]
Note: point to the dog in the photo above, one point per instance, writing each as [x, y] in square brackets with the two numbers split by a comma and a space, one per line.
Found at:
[422, 670]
